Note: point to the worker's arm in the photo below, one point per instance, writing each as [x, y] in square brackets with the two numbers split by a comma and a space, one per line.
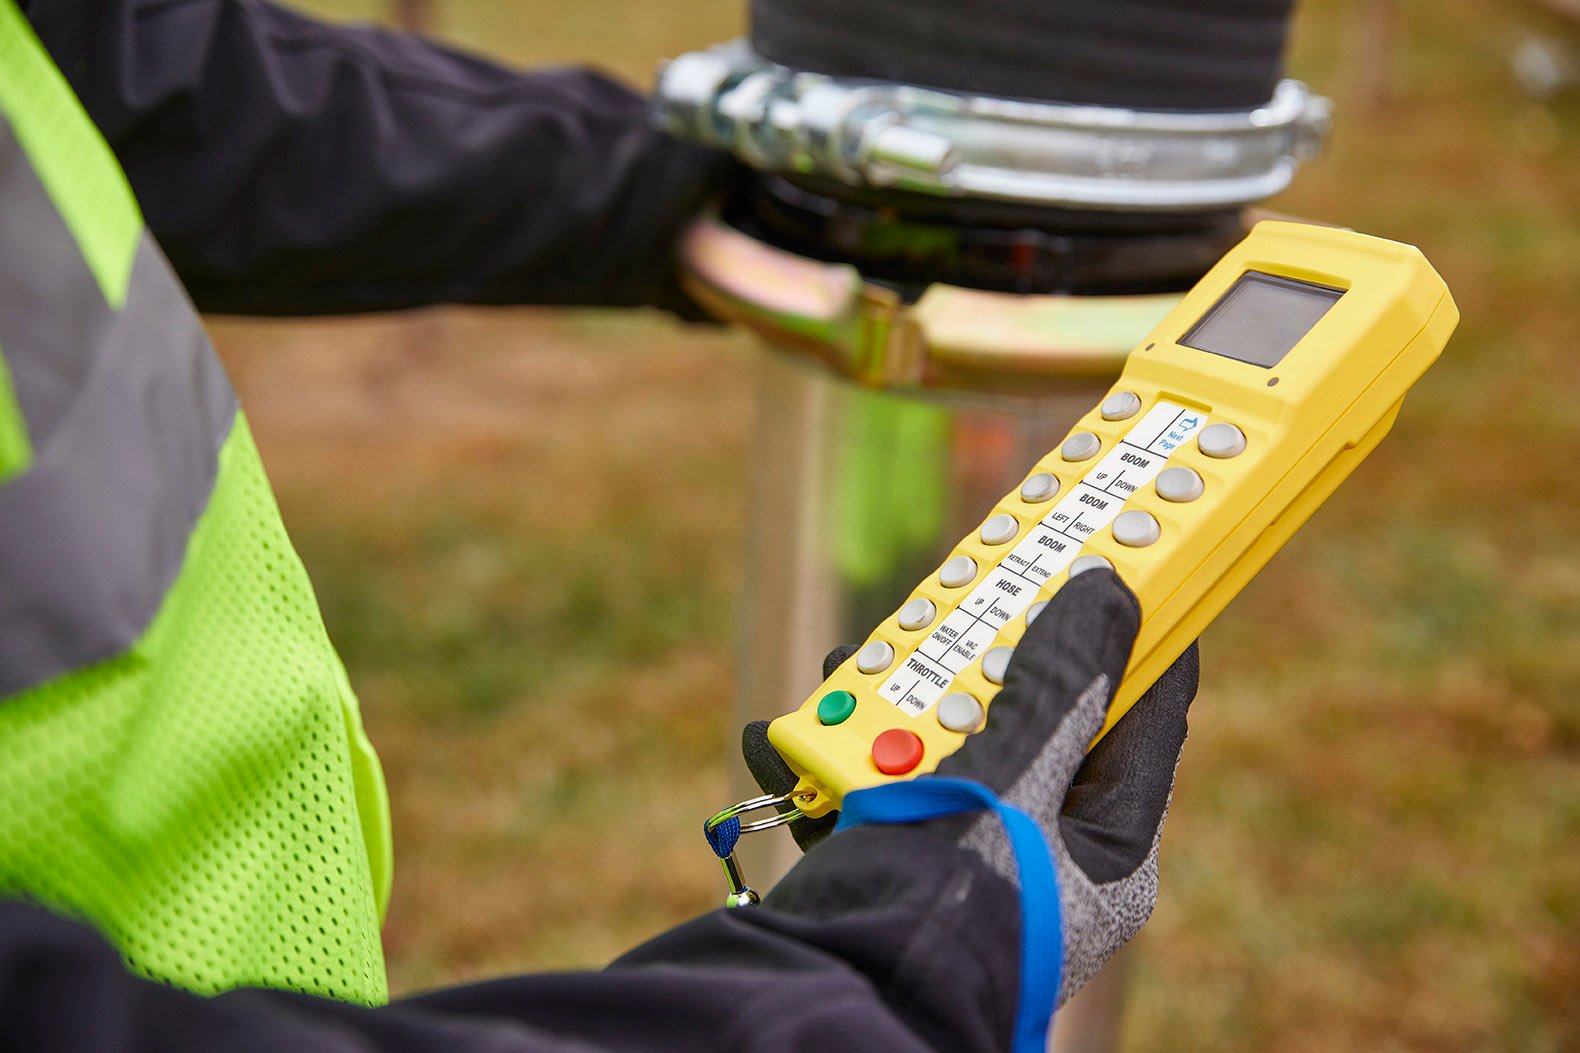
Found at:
[931, 970]
[902, 939]
[292, 167]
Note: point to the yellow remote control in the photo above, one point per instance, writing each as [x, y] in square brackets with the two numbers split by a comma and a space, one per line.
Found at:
[1230, 425]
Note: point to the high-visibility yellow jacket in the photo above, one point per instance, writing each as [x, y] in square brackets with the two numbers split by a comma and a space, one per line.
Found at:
[182, 762]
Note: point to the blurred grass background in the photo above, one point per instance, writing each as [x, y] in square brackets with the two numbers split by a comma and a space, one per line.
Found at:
[525, 529]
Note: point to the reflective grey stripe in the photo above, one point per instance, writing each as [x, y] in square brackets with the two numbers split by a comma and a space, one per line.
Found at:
[127, 410]
[44, 307]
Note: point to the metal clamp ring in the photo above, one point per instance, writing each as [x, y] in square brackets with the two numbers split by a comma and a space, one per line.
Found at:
[957, 144]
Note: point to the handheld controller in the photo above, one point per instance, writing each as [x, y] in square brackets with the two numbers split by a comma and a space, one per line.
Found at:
[1230, 425]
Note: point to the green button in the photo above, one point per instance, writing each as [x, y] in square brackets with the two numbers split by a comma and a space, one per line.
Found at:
[836, 707]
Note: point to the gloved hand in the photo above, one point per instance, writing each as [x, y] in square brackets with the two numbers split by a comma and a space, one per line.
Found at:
[1102, 812]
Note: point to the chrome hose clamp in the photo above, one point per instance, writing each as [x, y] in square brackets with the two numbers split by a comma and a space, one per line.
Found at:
[932, 141]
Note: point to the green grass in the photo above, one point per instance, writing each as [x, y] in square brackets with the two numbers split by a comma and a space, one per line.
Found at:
[526, 528]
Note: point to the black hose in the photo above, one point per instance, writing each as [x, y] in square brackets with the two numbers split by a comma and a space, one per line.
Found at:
[1148, 54]
[1143, 54]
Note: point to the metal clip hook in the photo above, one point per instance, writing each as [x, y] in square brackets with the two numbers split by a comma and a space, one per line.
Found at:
[724, 828]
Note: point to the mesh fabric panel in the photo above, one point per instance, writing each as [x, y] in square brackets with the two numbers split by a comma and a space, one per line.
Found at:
[195, 798]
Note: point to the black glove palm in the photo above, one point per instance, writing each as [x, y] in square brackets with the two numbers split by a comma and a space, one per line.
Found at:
[1103, 810]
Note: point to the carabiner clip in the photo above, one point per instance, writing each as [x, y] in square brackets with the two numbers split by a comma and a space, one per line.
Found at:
[724, 828]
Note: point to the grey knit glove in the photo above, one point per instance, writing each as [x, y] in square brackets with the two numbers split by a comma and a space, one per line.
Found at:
[1102, 811]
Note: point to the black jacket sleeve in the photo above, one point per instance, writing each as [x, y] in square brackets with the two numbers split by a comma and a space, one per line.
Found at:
[883, 940]
[292, 167]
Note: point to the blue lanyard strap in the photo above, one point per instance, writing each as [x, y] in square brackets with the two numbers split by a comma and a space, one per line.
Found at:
[1041, 927]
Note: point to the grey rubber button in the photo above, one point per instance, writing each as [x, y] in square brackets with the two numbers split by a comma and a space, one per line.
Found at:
[1034, 610]
[1081, 446]
[1083, 564]
[1039, 487]
[999, 529]
[995, 662]
[875, 657]
[1136, 528]
[1221, 440]
[1121, 405]
[957, 572]
[1179, 485]
[918, 613]
[960, 712]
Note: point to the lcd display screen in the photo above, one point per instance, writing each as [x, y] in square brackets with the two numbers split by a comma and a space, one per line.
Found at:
[1261, 318]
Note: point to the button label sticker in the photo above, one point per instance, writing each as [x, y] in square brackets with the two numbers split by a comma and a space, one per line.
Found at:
[1126, 469]
[1047, 549]
[917, 684]
[1174, 436]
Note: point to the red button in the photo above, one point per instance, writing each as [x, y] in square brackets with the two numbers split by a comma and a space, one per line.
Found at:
[896, 751]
